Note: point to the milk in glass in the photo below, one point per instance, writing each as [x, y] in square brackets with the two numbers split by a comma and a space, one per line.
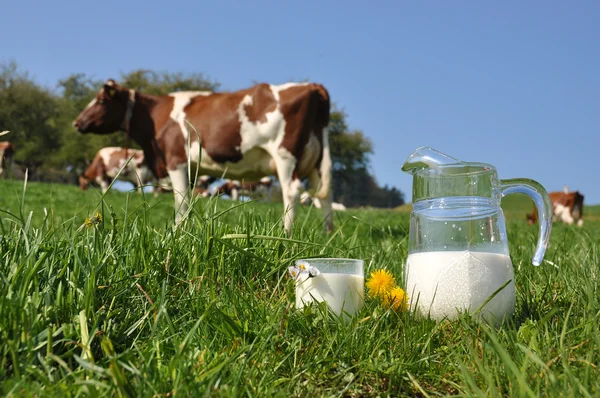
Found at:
[342, 292]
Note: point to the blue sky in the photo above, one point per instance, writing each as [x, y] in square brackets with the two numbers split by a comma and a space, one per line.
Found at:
[515, 84]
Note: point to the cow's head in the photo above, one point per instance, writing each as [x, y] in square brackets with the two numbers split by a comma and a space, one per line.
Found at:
[83, 182]
[105, 114]
[222, 189]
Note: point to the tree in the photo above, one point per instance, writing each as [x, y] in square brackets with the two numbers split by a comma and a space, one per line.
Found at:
[78, 89]
[350, 150]
[160, 83]
[32, 114]
[353, 184]
[77, 149]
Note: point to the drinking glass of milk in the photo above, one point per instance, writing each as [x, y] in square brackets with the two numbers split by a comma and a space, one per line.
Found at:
[337, 281]
[458, 256]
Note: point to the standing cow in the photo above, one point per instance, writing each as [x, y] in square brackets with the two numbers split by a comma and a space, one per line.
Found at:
[247, 134]
[566, 207]
[108, 162]
[7, 151]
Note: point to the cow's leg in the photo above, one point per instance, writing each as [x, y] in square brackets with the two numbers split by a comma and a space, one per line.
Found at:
[564, 214]
[136, 187]
[567, 218]
[235, 193]
[577, 215]
[155, 187]
[140, 176]
[326, 208]
[3, 160]
[103, 184]
[290, 189]
[179, 181]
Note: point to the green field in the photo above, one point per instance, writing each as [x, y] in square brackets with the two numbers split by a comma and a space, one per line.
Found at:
[134, 307]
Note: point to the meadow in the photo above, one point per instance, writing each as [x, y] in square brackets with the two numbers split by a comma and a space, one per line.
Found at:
[130, 306]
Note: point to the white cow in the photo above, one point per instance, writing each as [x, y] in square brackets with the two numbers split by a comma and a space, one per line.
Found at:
[107, 163]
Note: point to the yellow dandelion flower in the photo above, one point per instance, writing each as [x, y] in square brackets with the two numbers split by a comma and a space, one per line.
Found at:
[397, 299]
[93, 220]
[380, 283]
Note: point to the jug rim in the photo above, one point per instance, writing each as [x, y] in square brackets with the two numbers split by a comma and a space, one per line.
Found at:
[472, 168]
[331, 259]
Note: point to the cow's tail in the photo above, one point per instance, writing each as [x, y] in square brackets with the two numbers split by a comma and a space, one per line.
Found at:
[325, 168]
[10, 150]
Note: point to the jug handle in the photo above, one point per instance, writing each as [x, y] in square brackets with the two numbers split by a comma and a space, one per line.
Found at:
[540, 197]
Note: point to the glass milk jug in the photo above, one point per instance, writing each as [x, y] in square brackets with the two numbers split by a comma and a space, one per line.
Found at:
[458, 258]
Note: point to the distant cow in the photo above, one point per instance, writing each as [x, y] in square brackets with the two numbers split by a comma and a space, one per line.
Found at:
[248, 134]
[107, 163]
[235, 188]
[7, 151]
[202, 187]
[566, 207]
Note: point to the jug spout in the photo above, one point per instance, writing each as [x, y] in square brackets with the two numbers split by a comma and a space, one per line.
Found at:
[437, 175]
[428, 158]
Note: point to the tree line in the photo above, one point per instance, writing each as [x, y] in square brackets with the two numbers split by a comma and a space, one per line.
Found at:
[39, 119]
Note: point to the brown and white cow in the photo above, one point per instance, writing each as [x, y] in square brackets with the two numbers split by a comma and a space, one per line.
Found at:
[566, 207]
[248, 134]
[108, 162]
[235, 188]
[7, 151]
[202, 187]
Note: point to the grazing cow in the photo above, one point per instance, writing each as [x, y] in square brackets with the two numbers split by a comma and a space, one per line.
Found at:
[235, 188]
[107, 163]
[566, 207]
[204, 181]
[202, 187]
[7, 151]
[202, 192]
[247, 134]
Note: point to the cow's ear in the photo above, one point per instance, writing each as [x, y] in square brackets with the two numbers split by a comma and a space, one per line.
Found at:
[110, 88]
[110, 91]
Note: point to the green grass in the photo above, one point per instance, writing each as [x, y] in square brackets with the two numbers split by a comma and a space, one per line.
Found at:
[135, 307]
